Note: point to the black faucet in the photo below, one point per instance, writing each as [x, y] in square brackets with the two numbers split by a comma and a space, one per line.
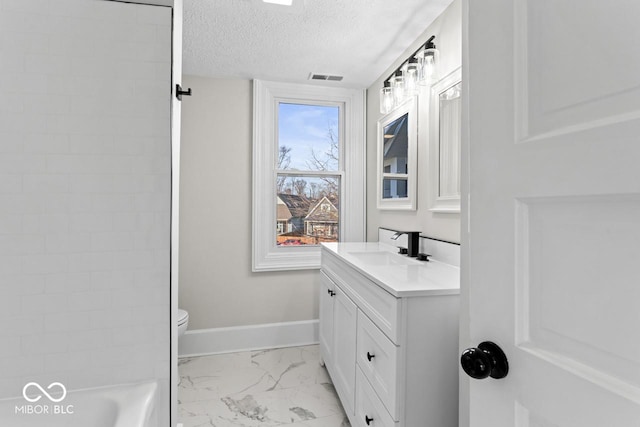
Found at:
[413, 241]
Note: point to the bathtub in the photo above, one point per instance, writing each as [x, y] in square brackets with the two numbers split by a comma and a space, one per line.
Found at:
[130, 405]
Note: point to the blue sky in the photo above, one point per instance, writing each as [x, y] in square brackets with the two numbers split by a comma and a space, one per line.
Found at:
[301, 127]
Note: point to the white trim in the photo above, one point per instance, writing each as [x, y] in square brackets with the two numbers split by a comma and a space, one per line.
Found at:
[176, 112]
[437, 203]
[201, 342]
[266, 256]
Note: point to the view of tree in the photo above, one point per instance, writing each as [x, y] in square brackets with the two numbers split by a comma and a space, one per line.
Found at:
[284, 160]
[299, 186]
[329, 159]
[308, 203]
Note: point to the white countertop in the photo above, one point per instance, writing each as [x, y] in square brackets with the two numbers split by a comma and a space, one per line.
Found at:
[399, 275]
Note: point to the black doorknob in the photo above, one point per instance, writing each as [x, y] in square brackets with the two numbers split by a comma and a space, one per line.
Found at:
[487, 360]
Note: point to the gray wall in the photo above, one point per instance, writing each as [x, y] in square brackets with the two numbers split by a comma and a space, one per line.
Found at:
[447, 28]
[217, 286]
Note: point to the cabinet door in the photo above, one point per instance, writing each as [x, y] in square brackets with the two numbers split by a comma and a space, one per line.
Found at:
[344, 347]
[326, 317]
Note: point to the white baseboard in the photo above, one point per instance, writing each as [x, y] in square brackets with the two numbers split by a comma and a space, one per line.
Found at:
[201, 342]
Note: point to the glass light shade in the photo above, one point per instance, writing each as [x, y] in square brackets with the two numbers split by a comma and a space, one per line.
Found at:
[411, 78]
[386, 99]
[428, 61]
[399, 88]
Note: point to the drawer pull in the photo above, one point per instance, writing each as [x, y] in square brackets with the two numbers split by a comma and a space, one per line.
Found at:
[367, 420]
[370, 356]
[330, 292]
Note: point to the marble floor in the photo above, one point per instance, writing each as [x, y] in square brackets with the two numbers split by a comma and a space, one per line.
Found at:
[276, 387]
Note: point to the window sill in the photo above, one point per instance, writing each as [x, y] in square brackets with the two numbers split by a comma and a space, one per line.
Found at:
[285, 259]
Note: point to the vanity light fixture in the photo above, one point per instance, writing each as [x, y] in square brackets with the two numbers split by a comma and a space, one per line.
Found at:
[399, 88]
[421, 68]
[411, 74]
[386, 98]
[428, 60]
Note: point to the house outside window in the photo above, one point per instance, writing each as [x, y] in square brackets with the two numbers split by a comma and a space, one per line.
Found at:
[309, 172]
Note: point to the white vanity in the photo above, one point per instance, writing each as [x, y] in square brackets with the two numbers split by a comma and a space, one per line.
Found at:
[389, 335]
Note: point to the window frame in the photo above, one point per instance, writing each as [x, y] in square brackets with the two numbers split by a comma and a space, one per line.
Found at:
[266, 255]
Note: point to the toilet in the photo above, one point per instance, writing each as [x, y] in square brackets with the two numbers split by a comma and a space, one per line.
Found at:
[183, 321]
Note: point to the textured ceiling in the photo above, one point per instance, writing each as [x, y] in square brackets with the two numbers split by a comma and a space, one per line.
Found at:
[357, 39]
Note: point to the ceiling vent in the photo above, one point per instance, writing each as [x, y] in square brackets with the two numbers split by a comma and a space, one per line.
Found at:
[326, 77]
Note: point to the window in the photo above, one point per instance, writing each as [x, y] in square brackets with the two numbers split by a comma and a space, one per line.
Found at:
[309, 172]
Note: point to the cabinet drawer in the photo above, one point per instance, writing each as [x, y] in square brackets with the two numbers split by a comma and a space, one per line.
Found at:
[377, 356]
[382, 308]
[368, 405]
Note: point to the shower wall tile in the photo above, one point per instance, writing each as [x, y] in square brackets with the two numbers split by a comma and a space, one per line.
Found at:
[11, 143]
[43, 303]
[10, 347]
[64, 321]
[11, 223]
[10, 304]
[44, 264]
[87, 262]
[67, 242]
[20, 285]
[45, 183]
[84, 193]
[21, 244]
[67, 283]
[114, 241]
[16, 367]
[44, 343]
[38, 143]
[89, 301]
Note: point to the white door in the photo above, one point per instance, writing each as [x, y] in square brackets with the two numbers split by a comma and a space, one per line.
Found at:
[554, 243]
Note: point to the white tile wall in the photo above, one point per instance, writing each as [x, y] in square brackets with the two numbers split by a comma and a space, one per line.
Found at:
[84, 193]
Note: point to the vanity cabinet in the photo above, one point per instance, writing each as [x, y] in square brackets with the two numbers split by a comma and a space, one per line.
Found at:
[326, 314]
[392, 352]
[338, 336]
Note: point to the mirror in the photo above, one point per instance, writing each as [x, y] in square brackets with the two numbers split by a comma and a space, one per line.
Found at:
[395, 155]
[397, 162]
[446, 123]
